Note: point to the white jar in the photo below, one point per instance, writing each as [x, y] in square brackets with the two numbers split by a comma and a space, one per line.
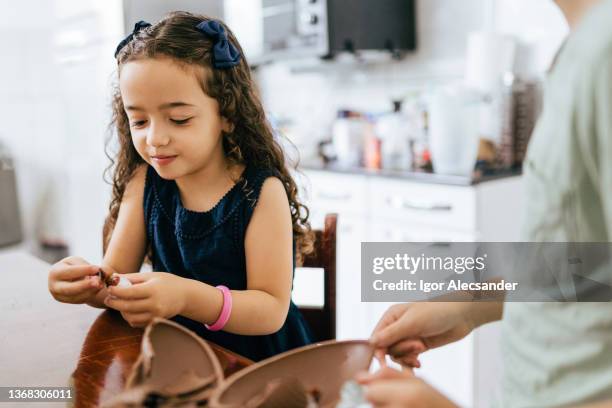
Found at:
[454, 130]
[347, 139]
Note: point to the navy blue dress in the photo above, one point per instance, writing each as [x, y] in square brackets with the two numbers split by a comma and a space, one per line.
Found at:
[209, 246]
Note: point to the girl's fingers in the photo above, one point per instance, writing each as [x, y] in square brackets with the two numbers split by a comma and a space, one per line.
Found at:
[73, 299]
[137, 319]
[74, 260]
[134, 292]
[137, 277]
[66, 288]
[63, 272]
[128, 306]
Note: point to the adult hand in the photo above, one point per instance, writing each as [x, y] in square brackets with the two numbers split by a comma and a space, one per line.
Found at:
[406, 330]
[74, 280]
[152, 294]
[394, 389]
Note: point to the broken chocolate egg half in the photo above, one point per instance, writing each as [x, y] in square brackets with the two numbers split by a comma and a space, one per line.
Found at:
[321, 369]
[113, 279]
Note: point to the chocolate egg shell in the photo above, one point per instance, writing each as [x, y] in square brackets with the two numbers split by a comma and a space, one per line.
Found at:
[105, 277]
[175, 368]
[322, 369]
[112, 278]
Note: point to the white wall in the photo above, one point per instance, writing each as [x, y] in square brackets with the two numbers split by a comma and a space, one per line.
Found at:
[56, 67]
[538, 24]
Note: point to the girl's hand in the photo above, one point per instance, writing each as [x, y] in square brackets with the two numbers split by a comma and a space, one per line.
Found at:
[153, 294]
[74, 280]
[391, 388]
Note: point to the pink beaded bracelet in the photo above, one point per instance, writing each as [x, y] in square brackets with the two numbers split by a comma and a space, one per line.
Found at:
[226, 310]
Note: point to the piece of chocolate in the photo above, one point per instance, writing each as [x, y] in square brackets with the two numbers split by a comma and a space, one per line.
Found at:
[113, 279]
[107, 278]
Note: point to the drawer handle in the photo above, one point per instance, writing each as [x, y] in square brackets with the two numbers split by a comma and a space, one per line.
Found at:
[397, 202]
[336, 197]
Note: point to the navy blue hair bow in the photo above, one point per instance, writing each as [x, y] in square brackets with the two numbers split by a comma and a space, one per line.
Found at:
[137, 27]
[225, 55]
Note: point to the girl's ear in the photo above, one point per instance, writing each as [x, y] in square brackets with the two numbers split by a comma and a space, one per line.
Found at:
[226, 125]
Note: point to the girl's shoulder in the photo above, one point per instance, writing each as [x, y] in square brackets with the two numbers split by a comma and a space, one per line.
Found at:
[253, 180]
[135, 186]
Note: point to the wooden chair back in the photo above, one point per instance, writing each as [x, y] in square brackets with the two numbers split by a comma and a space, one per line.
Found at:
[322, 321]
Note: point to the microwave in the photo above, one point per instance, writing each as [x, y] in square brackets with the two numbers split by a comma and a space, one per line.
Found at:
[282, 29]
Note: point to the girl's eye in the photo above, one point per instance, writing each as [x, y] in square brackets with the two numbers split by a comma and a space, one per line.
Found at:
[181, 121]
[138, 123]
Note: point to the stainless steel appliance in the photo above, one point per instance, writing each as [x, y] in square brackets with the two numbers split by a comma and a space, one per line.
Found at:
[325, 27]
[293, 28]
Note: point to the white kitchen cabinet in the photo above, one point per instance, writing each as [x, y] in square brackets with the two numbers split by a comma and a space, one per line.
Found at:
[345, 194]
[449, 207]
[382, 209]
[385, 231]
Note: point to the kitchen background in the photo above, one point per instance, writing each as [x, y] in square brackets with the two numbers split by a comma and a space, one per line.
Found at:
[55, 78]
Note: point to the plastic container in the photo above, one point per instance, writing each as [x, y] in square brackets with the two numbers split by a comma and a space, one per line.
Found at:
[454, 130]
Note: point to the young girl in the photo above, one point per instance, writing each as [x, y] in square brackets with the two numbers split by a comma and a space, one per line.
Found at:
[201, 187]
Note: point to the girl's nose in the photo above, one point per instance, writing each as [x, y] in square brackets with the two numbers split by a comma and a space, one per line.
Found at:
[157, 136]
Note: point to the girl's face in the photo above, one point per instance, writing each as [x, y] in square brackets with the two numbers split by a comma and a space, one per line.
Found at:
[175, 126]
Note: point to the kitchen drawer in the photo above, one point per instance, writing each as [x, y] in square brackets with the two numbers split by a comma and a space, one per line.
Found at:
[452, 207]
[404, 232]
[342, 194]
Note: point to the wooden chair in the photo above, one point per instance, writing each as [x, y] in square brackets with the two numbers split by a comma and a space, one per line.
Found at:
[322, 321]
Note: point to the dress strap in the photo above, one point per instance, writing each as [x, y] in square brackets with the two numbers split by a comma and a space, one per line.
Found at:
[251, 187]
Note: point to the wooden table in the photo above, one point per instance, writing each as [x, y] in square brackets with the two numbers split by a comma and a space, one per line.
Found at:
[47, 343]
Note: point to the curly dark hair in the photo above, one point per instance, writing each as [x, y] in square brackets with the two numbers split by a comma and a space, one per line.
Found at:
[251, 140]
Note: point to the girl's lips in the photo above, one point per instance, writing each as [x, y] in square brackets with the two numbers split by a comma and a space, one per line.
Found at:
[163, 160]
